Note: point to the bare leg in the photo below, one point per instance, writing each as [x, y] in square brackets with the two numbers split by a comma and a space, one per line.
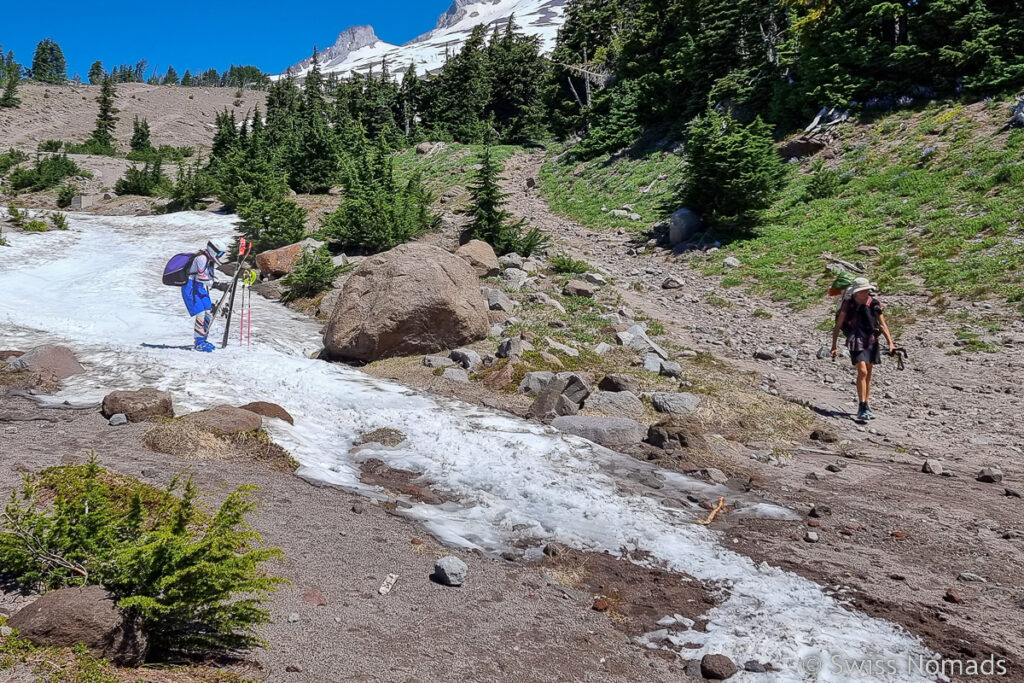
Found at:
[863, 381]
[867, 384]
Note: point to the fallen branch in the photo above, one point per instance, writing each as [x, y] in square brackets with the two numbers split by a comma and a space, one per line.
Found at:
[711, 517]
[845, 264]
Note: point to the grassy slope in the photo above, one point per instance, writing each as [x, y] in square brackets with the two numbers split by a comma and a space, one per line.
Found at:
[450, 167]
[938, 191]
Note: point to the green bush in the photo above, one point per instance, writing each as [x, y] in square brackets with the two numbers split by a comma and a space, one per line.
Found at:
[50, 146]
[569, 266]
[147, 181]
[824, 183]
[12, 157]
[16, 216]
[169, 153]
[195, 580]
[59, 221]
[91, 147]
[378, 212]
[48, 172]
[314, 273]
[65, 194]
[192, 186]
[35, 226]
[272, 223]
[734, 172]
[491, 223]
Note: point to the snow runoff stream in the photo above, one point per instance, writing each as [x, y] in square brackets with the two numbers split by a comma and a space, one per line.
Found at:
[97, 289]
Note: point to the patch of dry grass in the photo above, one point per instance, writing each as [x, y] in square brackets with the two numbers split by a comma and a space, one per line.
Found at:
[184, 439]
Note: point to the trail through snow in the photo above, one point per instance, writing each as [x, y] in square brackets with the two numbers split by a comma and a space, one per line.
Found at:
[97, 288]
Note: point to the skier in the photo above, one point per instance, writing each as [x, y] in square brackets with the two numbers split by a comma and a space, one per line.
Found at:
[196, 292]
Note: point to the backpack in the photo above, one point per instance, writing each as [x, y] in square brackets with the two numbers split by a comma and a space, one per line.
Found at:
[176, 272]
[862, 317]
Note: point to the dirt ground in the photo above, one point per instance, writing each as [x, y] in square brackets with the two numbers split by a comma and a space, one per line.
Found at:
[897, 537]
[507, 622]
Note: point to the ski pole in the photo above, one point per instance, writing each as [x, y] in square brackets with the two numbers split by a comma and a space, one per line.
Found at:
[244, 249]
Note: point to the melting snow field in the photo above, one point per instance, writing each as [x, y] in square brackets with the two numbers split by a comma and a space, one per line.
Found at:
[97, 289]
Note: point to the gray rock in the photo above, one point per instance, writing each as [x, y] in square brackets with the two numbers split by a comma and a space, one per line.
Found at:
[990, 475]
[515, 277]
[684, 224]
[511, 261]
[619, 213]
[672, 282]
[565, 406]
[790, 353]
[731, 262]
[603, 348]
[823, 353]
[811, 537]
[117, 419]
[542, 298]
[619, 383]
[497, 300]
[576, 388]
[615, 404]
[579, 288]
[534, 382]
[671, 368]
[652, 363]
[675, 403]
[455, 375]
[451, 571]
[510, 348]
[561, 348]
[636, 338]
[635, 217]
[754, 666]
[595, 279]
[932, 466]
[606, 431]
[764, 354]
[971, 577]
[467, 358]
[340, 260]
[293, 618]
[551, 402]
[716, 475]
[438, 362]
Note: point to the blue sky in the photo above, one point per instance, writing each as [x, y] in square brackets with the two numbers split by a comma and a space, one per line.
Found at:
[200, 35]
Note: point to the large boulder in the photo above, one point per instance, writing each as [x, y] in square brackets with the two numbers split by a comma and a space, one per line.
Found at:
[226, 420]
[481, 256]
[138, 406]
[614, 404]
[684, 224]
[89, 616]
[279, 262]
[49, 362]
[607, 431]
[414, 299]
[683, 403]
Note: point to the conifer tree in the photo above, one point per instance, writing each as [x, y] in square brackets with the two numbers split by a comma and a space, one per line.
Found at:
[48, 64]
[490, 221]
[10, 77]
[460, 94]
[96, 73]
[140, 136]
[103, 134]
[186, 80]
[171, 78]
[517, 76]
[313, 162]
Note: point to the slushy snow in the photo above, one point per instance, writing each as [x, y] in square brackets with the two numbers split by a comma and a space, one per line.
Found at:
[97, 288]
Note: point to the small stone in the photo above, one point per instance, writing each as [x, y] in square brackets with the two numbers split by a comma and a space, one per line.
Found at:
[467, 358]
[6, 631]
[898, 535]
[990, 475]
[652, 363]
[811, 537]
[819, 511]
[717, 667]
[416, 541]
[497, 300]
[510, 348]
[117, 419]
[437, 362]
[823, 352]
[824, 436]
[451, 571]
[579, 288]
[756, 667]
[671, 369]
[672, 282]
[293, 617]
[600, 605]
[931, 466]
[1012, 493]
[813, 523]
[595, 279]
[731, 262]
[561, 348]
[294, 668]
[764, 354]
[833, 468]
[603, 348]
[553, 549]
[971, 577]
[682, 403]
[455, 375]
[954, 596]
[358, 508]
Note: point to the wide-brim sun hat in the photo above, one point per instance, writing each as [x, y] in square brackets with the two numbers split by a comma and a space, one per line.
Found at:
[861, 284]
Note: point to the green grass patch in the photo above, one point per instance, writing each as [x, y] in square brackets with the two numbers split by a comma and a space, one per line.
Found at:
[565, 265]
[452, 167]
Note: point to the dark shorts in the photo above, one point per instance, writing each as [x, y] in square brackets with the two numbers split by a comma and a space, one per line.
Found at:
[872, 354]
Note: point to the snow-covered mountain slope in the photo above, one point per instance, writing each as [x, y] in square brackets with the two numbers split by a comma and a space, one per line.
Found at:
[510, 482]
[359, 50]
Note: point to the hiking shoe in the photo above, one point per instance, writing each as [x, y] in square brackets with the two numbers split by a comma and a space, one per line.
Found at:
[868, 415]
[862, 415]
[203, 345]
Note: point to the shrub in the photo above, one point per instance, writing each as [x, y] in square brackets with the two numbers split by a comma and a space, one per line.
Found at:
[569, 266]
[65, 194]
[491, 223]
[148, 181]
[12, 157]
[15, 215]
[196, 581]
[50, 146]
[824, 183]
[162, 153]
[272, 223]
[35, 226]
[48, 172]
[314, 273]
[59, 221]
[192, 186]
[734, 172]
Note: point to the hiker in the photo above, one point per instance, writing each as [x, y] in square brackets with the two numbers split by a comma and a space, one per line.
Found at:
[196, 291]
[861, 320]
